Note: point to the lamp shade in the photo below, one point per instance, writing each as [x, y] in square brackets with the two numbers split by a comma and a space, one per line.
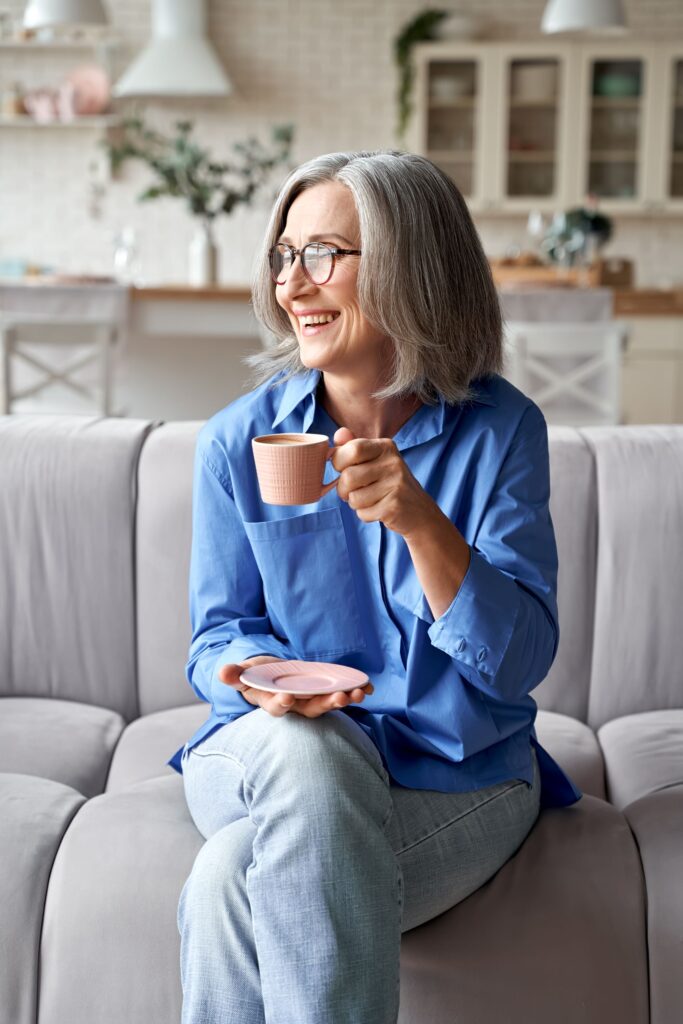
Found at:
[179, 59]
[604, 16]
[41, 13]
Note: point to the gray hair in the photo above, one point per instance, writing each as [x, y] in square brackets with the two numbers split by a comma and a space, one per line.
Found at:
[423, 278]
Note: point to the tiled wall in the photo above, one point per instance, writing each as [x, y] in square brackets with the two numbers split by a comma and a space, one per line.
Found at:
[325, 65]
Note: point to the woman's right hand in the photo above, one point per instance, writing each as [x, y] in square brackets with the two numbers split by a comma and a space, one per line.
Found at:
[278, 704]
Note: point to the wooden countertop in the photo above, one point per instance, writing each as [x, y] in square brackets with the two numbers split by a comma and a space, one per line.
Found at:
[627, 301]
[188, 293]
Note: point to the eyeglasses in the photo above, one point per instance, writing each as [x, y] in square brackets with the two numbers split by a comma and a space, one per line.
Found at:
[317, 260]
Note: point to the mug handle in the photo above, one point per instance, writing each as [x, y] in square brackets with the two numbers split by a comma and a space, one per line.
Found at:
[333, 483]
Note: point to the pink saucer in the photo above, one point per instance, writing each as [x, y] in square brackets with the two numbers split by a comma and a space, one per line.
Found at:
[303, 678]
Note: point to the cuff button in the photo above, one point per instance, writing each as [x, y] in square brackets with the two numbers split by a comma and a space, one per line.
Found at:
[460, 646]
[482, 654]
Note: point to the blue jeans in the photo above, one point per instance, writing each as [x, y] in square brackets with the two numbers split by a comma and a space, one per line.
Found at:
[313, 866]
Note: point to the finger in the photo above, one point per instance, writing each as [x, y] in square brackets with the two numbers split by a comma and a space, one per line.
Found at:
[278, 704]
[230, 674]
[357, 451]
[342, 435]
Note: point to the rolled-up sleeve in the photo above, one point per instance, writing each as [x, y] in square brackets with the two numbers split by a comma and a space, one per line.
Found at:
[501, 629]
[227, 608]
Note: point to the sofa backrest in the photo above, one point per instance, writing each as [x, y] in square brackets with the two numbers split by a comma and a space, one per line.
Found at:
[164, 526]
[637, 662]
[573, 508]
[164, 536]
[67, 513]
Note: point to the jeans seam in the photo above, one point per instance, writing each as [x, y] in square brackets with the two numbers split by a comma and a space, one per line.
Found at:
[460, 817]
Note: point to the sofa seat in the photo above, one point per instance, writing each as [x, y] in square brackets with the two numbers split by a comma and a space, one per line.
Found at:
[62, 740]
[111, 950]
[34, 815]
[147, 743]
[562, 921]
[643, 754]
[657, 823]
[563, 918]
[575, 747]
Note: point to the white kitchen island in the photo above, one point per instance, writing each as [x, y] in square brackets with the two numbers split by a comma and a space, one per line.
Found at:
[179, 352]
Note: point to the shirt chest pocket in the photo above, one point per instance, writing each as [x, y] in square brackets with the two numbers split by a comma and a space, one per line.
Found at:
[307, 581]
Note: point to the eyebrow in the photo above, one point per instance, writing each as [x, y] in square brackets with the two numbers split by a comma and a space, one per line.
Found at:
[320, 238]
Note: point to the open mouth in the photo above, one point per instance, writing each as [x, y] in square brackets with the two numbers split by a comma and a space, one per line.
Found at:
[309, 329]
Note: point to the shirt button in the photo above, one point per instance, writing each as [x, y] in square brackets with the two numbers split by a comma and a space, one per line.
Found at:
[482, 654]
[460, 646]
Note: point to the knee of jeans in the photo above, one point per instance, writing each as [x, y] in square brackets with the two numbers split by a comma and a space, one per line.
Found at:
[321, 744]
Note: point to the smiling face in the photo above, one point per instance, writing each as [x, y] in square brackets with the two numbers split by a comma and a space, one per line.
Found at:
[348, 344]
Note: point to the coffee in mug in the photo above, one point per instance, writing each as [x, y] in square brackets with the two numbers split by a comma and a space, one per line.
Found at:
[290, 467]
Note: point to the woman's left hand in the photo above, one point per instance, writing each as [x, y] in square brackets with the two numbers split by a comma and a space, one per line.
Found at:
[377, 484]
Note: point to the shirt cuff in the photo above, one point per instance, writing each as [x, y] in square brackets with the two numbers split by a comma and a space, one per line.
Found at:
[226, 700]
[476, 628]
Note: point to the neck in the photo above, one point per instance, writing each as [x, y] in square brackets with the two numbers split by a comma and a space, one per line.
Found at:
[362, 414]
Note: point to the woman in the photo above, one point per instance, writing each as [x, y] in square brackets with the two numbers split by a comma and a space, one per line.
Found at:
[334, 823]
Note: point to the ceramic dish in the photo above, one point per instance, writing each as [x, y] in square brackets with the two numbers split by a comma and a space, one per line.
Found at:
[90, 84]
[303, 678]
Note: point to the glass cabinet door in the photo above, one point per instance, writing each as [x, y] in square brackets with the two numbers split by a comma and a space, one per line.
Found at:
[675, 155]
[532, 128]
[453, 88]
[616, 92]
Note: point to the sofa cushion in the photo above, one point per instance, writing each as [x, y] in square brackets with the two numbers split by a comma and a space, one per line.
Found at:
[34, 815]
[111, 948]
[573, 507]
[147, 743]
[67, 507]
[575, 747]
[657, 823]
[643, 753]
[638, 640]
[164, 538]
[562, 921]
[62, 740]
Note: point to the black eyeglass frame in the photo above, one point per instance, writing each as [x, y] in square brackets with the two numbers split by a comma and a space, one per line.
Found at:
[335, 251]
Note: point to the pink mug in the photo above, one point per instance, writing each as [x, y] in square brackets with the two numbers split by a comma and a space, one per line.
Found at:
[290, 467]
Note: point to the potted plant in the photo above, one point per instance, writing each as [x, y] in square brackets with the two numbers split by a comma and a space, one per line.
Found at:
[184, 169]
[421, 28]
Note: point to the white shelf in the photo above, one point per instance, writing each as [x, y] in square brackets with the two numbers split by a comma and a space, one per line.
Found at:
[24, 121]
[61, 44]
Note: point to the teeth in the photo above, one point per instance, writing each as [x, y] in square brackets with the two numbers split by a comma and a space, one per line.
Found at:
[323, 318]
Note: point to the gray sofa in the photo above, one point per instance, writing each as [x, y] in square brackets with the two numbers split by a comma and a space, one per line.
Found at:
[583, 924]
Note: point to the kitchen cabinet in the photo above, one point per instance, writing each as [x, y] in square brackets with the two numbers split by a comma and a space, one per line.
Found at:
[540, 125]
[652, 370]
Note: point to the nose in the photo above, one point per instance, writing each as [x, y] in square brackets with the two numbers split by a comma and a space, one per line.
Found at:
[297, 282]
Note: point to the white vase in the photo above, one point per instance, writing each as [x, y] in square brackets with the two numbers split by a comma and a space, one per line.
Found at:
[203, 257]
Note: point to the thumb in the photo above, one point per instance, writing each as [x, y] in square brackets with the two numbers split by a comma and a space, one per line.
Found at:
[342, 435]
[230, 673]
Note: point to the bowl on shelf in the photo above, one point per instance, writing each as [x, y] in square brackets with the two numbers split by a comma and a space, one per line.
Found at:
[616, 84]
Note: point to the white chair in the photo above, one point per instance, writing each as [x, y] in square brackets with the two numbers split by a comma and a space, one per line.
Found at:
[571, 370]
[92, 341]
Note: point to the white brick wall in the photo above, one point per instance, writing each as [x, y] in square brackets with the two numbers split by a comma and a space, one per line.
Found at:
[326, 65]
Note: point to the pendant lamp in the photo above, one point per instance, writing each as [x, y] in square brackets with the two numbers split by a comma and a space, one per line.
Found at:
[586, 16]
[42, 13]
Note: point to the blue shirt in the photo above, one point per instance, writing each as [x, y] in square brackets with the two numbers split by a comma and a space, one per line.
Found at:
[451, 708]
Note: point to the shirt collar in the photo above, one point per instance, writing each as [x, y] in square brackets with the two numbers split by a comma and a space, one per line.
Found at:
[427, 423]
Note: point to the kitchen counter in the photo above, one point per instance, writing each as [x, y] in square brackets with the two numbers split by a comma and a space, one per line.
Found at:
[627, 301]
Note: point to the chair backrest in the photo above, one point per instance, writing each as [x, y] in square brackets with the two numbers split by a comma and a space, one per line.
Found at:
[43, 357]
[571, 370]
